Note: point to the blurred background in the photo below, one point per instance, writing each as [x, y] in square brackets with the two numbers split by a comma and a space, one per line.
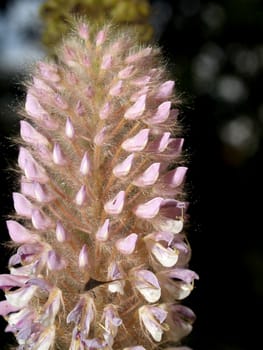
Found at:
[215, 51]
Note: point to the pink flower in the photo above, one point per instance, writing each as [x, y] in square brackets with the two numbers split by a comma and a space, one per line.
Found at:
[102, 256]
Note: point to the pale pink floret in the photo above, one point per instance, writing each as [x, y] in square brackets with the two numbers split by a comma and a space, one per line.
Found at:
[106, 62]
[127, 245]
[136, 143]
[161, 114]
[85, 165]
[126, 72]
[149, 176]
[55, 261]
[22, 205]
[116, 89]
[69, 129]
[33, 171]
[123, 168]
[165, 90]
[115, 206]
[61, 234]
[103, 231]
[83, 31]
[31, 135]
[149, 209]
[19, 233]
[58, 155]
[152, 318]
[81, 196]
[83, 257]
[148, 285]
[40, 220]
[137, 109]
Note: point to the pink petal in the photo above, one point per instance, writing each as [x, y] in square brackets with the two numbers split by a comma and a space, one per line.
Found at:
[83, 31]
[85, 165]
[40, 283]
[159, 313]
[123, 168]
[34, 108]
[81, 196]
[105, 110]
[175, 146]
[33, 171]
[60, 102]
[169, 225]
[79, 109]
[160, 143]
[147, 284]
[10, 281]
[22, 205]
[165, 90]
[116, 89]
[152, 318]
[19, 233]
[69, 129]
[83, 257]
[53, 304]
[100, 38]
[106, 62]
[6, 308]
[141, 81]
[183, 274]
[21, 297]
[161, 236]
[40, 85]
[149, 176]
[166, 256]
[115, 275]
[127, 245]
[174, 178]
[27, 187]
[172, 208]
[54, 261]
[136, 143]
[58, 156]
[126, 72]
[133, 58]
[149, 209]
[162, 113]
[144, 90]
[40, 221]
[41, 194]
[30, 135]
[49, 72]
[100, 136]
[89, 91]
[137, 109]
[75, 314]
[61, 233]
[114, 272]
[115, 205]
[103, 232]
[90, 314]
[46, 338]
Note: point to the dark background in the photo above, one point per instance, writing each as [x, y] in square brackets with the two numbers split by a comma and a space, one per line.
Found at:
[215, 50]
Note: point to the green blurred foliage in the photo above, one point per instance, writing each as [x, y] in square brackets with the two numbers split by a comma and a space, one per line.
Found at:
[58, 13]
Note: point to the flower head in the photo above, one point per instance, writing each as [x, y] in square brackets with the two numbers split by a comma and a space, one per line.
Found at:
[102, 255]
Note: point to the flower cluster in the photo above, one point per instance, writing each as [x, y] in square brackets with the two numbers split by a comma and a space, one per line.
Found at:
[102, 257]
